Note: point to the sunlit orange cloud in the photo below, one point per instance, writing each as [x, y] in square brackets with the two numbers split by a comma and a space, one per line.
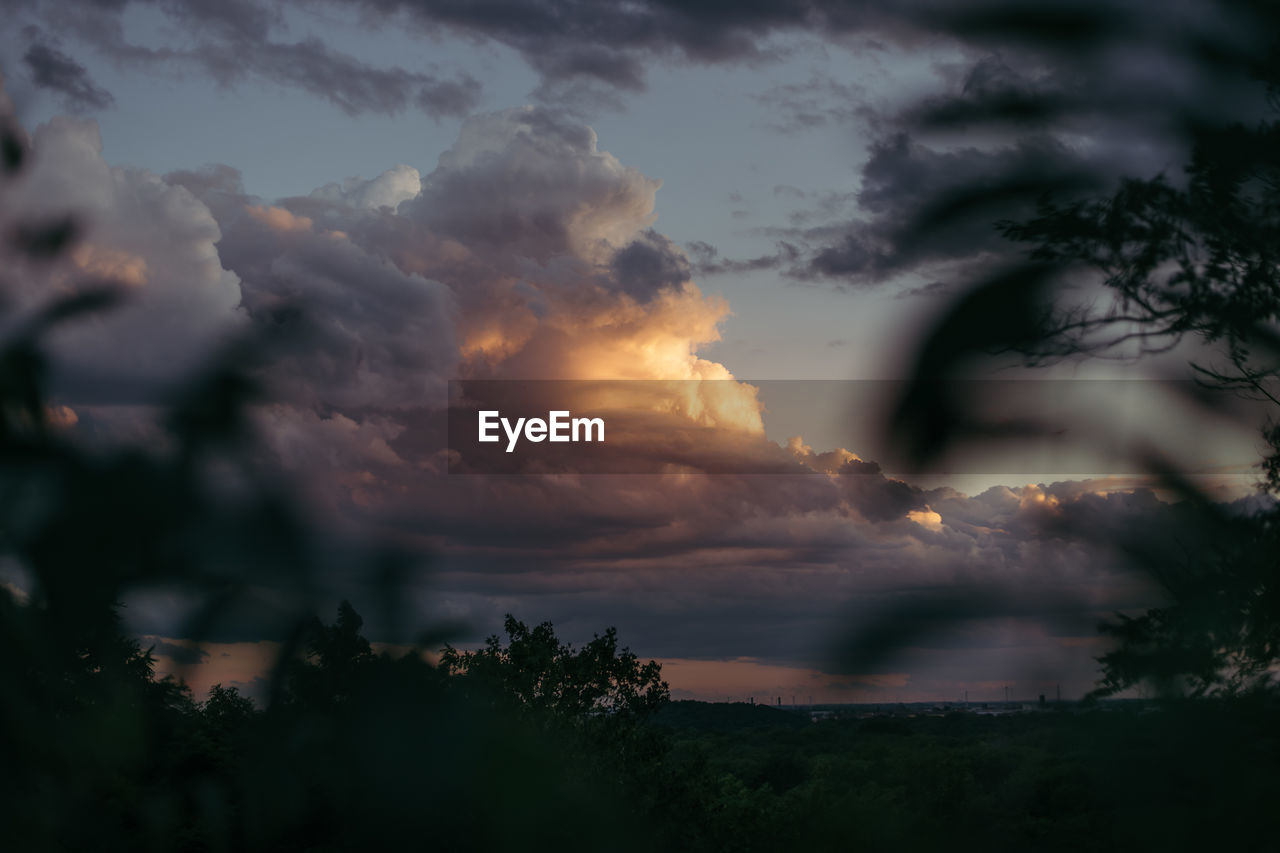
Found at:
[926, 518]
[61, 417]
[537, 294]
[534, 288]
[113, 264]
[622, 340]
[279, 219]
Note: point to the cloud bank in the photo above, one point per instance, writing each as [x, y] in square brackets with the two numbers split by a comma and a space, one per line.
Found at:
[530, 253]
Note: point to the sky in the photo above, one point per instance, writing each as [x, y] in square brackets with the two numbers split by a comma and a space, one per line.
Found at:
[717, 198]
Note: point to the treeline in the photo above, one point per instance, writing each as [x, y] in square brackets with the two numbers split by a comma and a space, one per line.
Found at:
[1188, 776]
[523, 745]
[529, 743]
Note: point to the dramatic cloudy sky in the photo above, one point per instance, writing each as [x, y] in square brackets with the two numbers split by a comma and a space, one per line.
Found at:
[399, 193]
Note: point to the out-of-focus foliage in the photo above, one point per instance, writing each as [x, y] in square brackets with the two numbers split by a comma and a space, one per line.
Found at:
[354, 751]
[1221, 630]
[1195, 259]
[1202, 258]
[1136, 269]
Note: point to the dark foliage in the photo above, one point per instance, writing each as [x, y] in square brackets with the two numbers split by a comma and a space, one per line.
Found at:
[536, 672]
[1122, 777]
[1155, 261]
[354, 751]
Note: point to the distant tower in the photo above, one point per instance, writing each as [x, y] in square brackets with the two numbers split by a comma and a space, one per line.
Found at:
[779, 701]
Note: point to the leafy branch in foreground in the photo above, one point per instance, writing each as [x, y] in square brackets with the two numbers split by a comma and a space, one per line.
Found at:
[1155, 262]
[1201, 260]
[1198, 259]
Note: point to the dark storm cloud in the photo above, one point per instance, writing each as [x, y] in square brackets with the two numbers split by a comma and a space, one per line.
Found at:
[586, 53]
[876, 497]
[708, 261]
[52, 69]
[346, 82]
[742, 566]
[922, 205]
[992, 91]
[179, 654]
[232, 42]
[1048, 99]
[1012, 129]
[649, 264]
[566, 40]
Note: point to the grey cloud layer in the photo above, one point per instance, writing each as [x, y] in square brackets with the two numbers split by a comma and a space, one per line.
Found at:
[1044, 98]
[572, 41]
[229, 41]
[154, 240]
[52, 69]
[1058, 97]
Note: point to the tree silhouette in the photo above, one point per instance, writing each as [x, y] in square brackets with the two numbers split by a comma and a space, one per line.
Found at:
[337, 657]
[1199, 259]
[353, 750]
[1163, 259]
[538, 672]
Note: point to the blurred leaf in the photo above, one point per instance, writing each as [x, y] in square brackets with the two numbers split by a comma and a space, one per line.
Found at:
[12, 151]
[46, 240]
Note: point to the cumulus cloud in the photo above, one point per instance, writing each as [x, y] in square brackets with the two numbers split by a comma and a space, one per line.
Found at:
[156, 241]
[389, 189]
[350, 329]
[535, 183]
[572, 282]
[649, 264]
[529, 253]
